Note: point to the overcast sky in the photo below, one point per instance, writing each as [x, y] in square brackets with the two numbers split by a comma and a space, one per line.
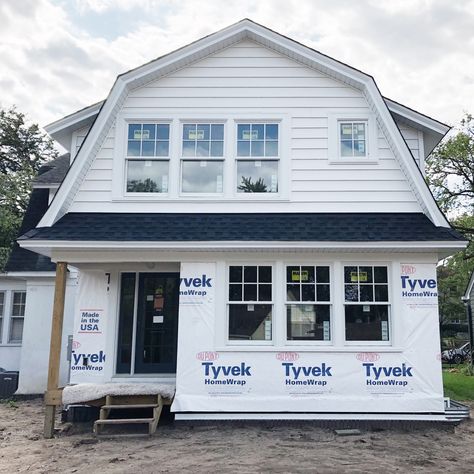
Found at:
[57, 56]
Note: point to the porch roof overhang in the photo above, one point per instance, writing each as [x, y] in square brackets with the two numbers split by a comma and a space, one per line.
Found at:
[99, 235]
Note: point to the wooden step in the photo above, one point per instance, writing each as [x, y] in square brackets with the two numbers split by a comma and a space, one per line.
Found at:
[126, 407]
[124, 421]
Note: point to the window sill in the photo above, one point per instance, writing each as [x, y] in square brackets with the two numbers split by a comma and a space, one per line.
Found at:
[217, 197]
[310, 348]
[353, 161]
[11, 344]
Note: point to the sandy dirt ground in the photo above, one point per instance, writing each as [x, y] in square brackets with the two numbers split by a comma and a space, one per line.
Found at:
[217, 448]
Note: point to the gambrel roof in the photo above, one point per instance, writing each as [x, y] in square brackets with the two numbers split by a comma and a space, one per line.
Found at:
[245, 29]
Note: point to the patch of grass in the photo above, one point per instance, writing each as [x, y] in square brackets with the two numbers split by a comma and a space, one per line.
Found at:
[458, 386]
[9, 402]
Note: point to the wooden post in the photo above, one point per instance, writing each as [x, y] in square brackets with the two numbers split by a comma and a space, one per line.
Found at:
[51, 400]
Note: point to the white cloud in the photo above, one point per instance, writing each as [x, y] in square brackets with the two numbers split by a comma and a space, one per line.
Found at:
[58, 56]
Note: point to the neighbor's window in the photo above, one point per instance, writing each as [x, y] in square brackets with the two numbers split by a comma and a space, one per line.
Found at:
[367, 305]
[308, 295]
[17, 316]
[202, 164]
[353, 139]
[147, 159]
[257, 157]
[250, 303]
[2, 312]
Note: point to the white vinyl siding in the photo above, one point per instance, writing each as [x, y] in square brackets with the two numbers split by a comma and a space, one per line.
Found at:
[249, 81]
[414, 140]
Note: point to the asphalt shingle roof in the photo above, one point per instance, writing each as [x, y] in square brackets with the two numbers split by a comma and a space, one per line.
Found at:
[54, 171]
[317, 227]
[22, 260]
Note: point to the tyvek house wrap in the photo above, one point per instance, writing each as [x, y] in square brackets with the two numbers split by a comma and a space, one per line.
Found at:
[407, 380]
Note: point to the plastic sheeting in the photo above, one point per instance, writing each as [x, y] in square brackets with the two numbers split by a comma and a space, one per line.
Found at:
[377, 380]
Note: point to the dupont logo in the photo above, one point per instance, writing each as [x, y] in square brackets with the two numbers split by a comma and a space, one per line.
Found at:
[207, 355]
[408, 269]
[76, 344]
[287, 356]
[368, 356]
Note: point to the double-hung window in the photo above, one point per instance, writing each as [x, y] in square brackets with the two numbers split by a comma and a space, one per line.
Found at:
[308, 296]
[257, 157]
[17, 317]
[250, 303]
[367, 304]
[202, 163]
[2, 313]
[147, 161]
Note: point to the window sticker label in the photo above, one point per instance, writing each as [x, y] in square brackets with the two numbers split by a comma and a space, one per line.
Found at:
[366, 308]
[164, 183]
[384, 330]
[297, 275]
[361, 147]
[250, 307]
[326, 330]
[358, 277]
[347, 129]
[196, 135]
[250, 135]
[268, 330]
[141, 134]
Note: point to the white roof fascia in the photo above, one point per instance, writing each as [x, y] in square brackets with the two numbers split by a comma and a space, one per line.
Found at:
[424, 122]
[205, 47]
[74, 119]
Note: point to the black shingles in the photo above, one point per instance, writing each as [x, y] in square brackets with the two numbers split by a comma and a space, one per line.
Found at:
[22, 260]
[54, 171]
[314, 227]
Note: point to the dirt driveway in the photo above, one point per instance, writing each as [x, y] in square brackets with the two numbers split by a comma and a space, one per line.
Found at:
[229, 449]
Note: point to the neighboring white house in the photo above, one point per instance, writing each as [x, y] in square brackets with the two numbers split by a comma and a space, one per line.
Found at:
[26, 295]
[250, 221]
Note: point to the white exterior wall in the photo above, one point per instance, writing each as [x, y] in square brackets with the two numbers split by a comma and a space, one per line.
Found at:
[248, 81]
[77, 138]
[9, 353]
[37, 334]
[414, 140]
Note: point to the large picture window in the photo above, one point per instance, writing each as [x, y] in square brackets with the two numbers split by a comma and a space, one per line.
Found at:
[250, 303]
[367, 305]
[147, 160]
[257, 157]
[308, 295]
[202, 164]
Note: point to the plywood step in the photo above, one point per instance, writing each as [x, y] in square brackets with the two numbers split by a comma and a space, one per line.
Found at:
[124, 421]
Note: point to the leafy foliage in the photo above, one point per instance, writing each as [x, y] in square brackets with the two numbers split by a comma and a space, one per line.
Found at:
[450, 174]
[248, 186]
[23, 149]
[450, 170]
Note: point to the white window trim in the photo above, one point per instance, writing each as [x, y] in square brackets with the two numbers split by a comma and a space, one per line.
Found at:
[175, 121]
[388, 303]
[334, 154]
[7, 336]
[3, 315]
[330, 303]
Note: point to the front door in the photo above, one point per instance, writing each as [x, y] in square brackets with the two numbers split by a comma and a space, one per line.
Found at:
[157, 323]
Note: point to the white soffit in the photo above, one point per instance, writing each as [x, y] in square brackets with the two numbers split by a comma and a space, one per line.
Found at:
[107, 111]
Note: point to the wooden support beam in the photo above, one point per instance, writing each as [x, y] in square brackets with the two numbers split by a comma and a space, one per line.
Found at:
[55, 349]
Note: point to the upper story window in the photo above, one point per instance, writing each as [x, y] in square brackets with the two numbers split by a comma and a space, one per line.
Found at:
[367, 304]
[147, 162]
[353, 139]
[202, 163]
[257, 157]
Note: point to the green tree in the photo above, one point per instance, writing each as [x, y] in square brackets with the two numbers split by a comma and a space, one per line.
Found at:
[248, 186]
[450, 175]
[23, 149]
